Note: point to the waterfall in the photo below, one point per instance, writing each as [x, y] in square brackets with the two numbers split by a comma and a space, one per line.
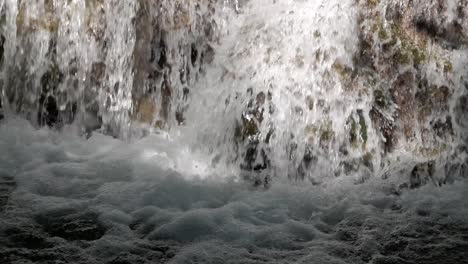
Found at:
[298, 89]
[233, 131]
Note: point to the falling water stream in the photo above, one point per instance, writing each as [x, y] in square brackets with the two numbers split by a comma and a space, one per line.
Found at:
[235, 131]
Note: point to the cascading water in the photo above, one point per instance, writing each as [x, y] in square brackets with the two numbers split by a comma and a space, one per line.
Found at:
[236, 131]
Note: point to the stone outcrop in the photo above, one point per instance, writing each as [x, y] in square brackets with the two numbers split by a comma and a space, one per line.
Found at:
[171, 47]
[416, 52]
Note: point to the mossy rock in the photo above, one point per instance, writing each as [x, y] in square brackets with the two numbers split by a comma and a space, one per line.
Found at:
[433, 151]
[250, 128]
[323, 132]
[310, 132]
[379, 99]
[160, 124]
[402, 57]
[146, 110]
[343, 71]
[372, 3]
[440, 95]
[367, 160]
[27, 24]
[92, 3]
[448, 67]
[383, 34]
[419, 55]
[252, 117]
[409, 51]
[326, 133]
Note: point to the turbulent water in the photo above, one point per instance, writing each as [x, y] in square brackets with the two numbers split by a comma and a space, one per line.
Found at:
[233, 132]
[105, 201]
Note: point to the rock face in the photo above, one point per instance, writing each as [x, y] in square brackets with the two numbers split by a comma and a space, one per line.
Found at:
[170, 52]
[408, 73]
[415, 69]
[97, 68]
[415, 53]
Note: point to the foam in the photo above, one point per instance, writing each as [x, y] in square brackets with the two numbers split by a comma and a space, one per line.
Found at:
[140, 200]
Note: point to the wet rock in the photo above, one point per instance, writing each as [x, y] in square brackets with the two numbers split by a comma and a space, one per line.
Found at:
[442, 127]
[208, 55]
[255, 158]
[363, 58]
[162, 54]
[166, 94]
[193, 54]
[386, 128]
[27, 24]
[457, 166]
[90, 119]
[157, 52]
[380, 100]
[360, 168]
[2, 48]
[72, 225]
[98, 71]
[309, 160]
[49, 111]
[326, 134]
[431, 99]
[403, 97]
[395, 46]
[358, 130]
[146, 110]
[179, 116]
[348, 167]
[344, 71]
[461, 114]
[54, 110]
[248, 137]
[422, 174]
[452, 35]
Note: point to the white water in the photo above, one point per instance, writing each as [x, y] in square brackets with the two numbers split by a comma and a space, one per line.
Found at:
[181, 187]
[267, 49]
[209, 62]
[212, 218]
